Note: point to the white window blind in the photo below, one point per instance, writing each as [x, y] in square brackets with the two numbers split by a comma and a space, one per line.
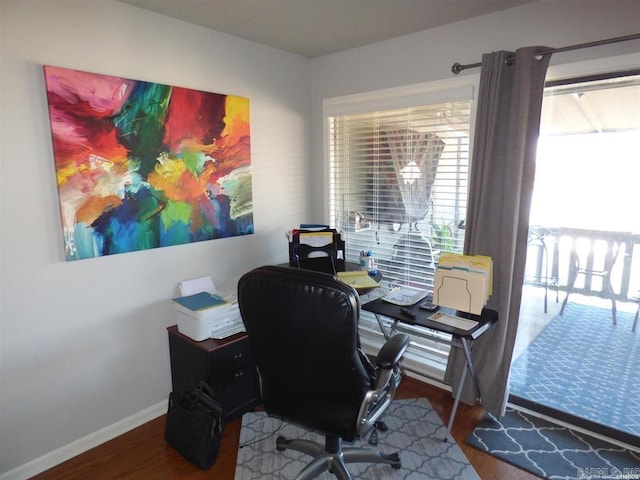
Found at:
[398, 187]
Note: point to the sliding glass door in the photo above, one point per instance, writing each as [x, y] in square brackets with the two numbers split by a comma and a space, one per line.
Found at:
[576, 355]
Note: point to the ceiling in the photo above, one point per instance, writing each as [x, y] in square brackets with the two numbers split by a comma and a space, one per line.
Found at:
[313, 28]
[592, 107]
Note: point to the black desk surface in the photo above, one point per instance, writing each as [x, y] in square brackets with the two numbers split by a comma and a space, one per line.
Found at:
[485, 319]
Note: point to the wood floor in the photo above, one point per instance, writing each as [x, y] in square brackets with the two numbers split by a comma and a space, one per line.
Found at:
[143, 453]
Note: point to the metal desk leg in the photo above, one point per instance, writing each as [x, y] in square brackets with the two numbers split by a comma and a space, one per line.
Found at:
[456, 401]
[468, 366]
[467, 353]
[381, 325]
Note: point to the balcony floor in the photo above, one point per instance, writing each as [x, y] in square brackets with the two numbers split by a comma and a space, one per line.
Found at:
[580, 363]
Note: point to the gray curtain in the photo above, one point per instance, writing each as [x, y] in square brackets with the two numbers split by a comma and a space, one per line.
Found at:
[501, 186]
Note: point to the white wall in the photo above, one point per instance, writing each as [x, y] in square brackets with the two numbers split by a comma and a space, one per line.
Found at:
[427, 56]
[83, 345]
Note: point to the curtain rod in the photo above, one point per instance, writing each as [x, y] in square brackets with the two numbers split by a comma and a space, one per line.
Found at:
[456, 68]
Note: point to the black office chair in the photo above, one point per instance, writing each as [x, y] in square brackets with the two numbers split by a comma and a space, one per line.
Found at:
[303, 332]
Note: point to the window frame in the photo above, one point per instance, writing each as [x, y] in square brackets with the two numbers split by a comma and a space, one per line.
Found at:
[427, 358]
[454, 89]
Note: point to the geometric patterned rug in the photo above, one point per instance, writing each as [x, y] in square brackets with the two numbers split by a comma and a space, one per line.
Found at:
[550, 450]
[415, 431]
[582, 364]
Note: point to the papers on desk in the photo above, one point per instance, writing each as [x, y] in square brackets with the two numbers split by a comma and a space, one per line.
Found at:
[203, 301]
[453, 321]
[405, 295]
[358, 279]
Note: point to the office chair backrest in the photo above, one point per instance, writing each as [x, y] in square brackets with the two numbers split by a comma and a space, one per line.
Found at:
[303, 332]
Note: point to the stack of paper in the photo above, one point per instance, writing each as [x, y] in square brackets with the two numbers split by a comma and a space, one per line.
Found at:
[204, 301]
[358, 279]
[463, 282]
[453, 321]
[405, 295]
[230, 325]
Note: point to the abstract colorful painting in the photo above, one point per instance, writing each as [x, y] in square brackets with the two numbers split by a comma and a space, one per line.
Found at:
[143, 165]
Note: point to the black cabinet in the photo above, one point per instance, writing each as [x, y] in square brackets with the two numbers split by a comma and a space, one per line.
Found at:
[226, 364]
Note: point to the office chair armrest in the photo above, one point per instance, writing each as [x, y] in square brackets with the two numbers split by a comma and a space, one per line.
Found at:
[377, 400]
[392, 351]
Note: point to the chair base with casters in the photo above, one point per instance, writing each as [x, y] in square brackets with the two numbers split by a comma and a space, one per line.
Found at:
[333, 457]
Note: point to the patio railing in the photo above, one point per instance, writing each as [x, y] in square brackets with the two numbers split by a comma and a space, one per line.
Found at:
[549, 259]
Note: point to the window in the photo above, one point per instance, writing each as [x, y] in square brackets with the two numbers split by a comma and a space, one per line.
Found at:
[398, 186]
[585, 196]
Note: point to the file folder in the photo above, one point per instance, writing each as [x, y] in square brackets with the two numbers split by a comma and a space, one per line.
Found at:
[463, 282]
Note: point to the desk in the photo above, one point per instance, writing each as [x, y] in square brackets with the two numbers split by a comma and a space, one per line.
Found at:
[459, 338]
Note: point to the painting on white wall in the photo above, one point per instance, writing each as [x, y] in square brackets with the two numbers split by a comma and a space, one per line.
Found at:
[143, 165]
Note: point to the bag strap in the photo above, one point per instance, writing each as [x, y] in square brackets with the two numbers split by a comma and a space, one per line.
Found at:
[205, 387]
[206, 396]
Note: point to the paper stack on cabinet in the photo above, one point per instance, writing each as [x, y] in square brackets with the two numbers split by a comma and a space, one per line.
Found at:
[463, 282]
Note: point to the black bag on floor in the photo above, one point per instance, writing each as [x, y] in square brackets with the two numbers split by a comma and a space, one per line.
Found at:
[194, 424]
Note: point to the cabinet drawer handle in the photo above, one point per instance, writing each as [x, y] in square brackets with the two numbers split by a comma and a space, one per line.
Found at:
[237, 356]
[239, 373]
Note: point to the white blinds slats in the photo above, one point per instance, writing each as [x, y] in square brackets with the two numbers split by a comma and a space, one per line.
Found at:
[398, 187]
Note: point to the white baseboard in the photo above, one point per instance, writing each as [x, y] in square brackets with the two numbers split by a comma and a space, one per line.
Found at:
[81, 445]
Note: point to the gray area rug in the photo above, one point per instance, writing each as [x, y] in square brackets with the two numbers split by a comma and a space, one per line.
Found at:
[588, 371]
[415, 431]
[552, 451]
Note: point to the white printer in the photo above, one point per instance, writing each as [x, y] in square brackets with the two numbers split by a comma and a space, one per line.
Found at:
[203, 313]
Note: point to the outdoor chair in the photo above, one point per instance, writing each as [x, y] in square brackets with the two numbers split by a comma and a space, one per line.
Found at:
[537, 238]
[635, 297]
[588, 271]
